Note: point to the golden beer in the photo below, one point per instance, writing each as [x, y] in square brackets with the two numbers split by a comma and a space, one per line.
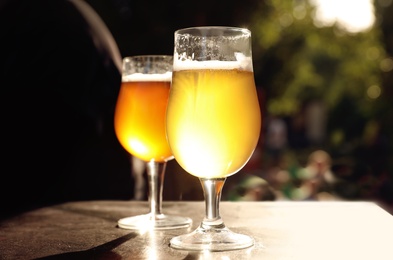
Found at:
[213, 120]
[140, 119]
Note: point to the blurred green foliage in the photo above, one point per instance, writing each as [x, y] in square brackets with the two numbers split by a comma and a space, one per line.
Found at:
[296, 62]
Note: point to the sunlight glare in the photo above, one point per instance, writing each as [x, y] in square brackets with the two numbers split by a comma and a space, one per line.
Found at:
[353, 15]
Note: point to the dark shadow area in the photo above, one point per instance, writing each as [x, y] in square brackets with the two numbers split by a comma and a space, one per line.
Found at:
[103, 251]
[60, 75]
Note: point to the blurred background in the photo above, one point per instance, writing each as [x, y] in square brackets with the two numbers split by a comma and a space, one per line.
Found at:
[324, 73]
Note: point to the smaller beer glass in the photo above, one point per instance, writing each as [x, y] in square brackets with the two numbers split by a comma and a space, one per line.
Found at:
[140, 129]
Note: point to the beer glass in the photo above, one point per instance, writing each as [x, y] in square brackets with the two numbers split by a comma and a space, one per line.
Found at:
[213, 122]
[140, 128]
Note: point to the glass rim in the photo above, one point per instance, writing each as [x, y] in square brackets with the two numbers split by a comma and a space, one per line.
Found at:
[215, 27]
[149, 56]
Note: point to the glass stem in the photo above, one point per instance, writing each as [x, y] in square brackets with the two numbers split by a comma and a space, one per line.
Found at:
[155, 178]
[212, 189]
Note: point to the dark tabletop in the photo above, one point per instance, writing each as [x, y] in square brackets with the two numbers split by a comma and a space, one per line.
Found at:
[282, 230]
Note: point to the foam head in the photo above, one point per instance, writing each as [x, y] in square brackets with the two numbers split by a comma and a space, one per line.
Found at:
[147, 77]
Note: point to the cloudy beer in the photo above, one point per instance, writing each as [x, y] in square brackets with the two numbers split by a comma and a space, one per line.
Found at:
[213, 119]
[140, 116]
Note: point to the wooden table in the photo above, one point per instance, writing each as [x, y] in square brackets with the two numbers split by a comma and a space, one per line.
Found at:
[282, 230]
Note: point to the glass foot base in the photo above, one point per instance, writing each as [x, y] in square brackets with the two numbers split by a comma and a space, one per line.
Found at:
[221, 239]
[155, 222]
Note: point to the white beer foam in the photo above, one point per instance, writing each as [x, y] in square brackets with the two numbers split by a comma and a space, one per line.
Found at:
[148, 77]
[242, 62]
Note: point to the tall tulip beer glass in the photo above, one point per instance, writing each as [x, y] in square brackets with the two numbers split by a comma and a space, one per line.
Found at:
[140, 128]
[213, 122]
